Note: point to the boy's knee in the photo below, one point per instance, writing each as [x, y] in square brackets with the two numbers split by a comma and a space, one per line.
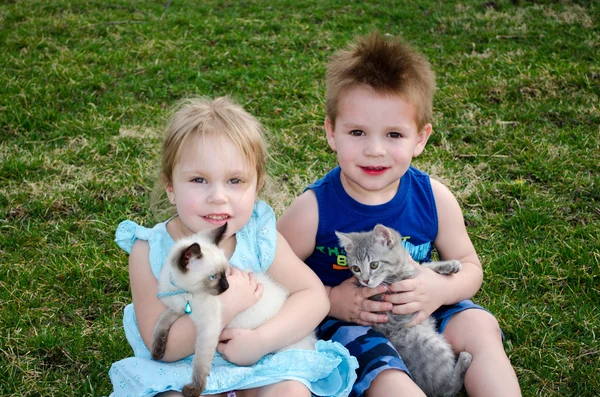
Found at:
[472, 326]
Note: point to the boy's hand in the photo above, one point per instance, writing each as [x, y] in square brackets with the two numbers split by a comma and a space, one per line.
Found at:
[421, 295]
[350, 302]
[243, 292]
[241, 346]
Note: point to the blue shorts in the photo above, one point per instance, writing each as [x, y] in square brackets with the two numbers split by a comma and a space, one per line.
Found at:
[373, 351]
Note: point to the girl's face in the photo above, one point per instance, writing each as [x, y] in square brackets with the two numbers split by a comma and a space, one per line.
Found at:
[213, 185]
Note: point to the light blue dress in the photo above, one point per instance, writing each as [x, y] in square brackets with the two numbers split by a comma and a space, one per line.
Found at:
[327, 371]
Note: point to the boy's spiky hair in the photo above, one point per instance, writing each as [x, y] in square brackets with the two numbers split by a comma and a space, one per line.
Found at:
[388, 65]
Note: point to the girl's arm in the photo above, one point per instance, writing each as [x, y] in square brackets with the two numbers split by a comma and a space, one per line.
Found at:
[148, 307]
[306, 306]
[243, 292]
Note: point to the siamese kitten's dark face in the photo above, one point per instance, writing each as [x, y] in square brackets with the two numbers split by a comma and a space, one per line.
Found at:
[197, 265]
[201, 265]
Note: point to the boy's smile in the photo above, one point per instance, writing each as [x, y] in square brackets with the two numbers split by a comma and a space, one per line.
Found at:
[375, 137]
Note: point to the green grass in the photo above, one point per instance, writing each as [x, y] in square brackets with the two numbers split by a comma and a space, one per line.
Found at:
[85, 87]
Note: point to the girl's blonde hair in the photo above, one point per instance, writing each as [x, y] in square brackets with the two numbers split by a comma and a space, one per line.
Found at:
[222, 118]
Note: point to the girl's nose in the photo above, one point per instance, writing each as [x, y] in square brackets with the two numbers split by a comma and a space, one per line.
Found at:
[217, 195]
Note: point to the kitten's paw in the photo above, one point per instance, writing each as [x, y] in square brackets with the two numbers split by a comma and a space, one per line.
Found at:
[193, 390]
[464, 360]
[450, 267]
[159, 345]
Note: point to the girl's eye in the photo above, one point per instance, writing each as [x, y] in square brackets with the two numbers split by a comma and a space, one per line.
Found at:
[212, 277]
[357, 133]
[374, 265]
[235, 181]
[394, 135]
[199, 180]
[356, 269]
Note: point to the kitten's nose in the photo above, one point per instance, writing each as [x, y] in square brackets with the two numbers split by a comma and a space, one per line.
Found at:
[223, 284]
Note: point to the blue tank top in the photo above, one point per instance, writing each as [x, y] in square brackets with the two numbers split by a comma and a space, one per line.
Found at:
[411, 212]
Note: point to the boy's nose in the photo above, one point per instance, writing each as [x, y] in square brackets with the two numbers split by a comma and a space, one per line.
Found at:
[374, 148]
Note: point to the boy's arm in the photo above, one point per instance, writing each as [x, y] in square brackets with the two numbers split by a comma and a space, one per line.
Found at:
[453, 242]
[429, 290]
[298, 224]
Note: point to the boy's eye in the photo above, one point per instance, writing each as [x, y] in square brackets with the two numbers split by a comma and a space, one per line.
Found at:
[374, 265]
[356, 269]
[394, 135]
[357, 133]
[199, 180]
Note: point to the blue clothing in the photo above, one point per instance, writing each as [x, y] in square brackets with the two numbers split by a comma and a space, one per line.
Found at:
[412, 212]
[327, 371]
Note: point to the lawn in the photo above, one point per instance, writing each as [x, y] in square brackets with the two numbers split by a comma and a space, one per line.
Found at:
[85, 87]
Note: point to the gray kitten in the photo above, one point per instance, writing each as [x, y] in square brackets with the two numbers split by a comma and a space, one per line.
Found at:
[377, 257]
[190, 282]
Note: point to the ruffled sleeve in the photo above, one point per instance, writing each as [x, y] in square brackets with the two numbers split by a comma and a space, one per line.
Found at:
[128, 232]
[256, 242]
[158, 239]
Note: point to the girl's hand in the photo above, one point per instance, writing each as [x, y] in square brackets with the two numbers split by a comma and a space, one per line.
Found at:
[243, 292]
[350, 302]
[241, 346]
[421, 295]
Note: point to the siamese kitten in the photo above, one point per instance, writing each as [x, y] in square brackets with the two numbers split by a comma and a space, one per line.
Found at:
[377, 257]
[190, 282]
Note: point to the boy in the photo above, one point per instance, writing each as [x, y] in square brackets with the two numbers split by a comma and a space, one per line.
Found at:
[379, 109]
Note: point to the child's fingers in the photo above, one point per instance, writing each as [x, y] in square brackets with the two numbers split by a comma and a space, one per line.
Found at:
[259, 291]
[369, 292]
[368, 317]
[375, 306]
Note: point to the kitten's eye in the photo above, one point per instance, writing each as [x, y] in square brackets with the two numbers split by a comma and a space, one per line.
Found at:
[212, 277]
[374, 265]
[356, 269]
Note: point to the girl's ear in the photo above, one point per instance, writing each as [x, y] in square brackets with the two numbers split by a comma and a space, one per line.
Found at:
[422, 139]
[329, 130]
[170, 194]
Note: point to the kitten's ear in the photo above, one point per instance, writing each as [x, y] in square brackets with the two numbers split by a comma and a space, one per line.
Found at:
[187, 255]
[345, 240]
[383, 236]
[217, 234]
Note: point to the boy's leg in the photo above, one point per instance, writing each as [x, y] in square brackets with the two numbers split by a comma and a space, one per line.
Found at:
[393, 381]
[381, 371]
[490, 374]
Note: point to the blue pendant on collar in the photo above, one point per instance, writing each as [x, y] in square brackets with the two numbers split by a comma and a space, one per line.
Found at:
[165, 294]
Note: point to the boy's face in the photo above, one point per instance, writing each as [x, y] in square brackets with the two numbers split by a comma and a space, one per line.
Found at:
[376, 138]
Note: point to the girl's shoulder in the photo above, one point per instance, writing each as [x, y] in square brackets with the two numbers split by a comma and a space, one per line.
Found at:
[159, 241]
[256, 241]
[128, 232]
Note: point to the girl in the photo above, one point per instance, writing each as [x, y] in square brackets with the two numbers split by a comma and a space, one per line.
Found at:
[213, 166]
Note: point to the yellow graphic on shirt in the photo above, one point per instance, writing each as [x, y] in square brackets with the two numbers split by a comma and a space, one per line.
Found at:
[418, 253]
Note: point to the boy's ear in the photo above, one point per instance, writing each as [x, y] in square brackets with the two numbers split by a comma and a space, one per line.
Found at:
[329, 132]
[422, 139]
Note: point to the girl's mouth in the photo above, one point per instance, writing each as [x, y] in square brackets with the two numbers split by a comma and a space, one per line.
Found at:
[217, 219]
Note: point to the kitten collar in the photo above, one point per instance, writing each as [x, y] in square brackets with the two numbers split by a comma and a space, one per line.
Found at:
[181, 291]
